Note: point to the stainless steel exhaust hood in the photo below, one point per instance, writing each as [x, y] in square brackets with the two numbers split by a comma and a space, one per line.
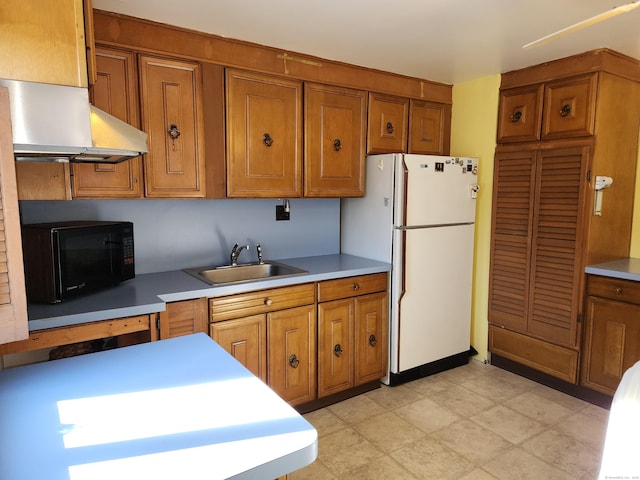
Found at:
[56, 123]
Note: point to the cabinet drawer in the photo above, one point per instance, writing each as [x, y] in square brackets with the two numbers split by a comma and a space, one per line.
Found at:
[262, 301]
[351, 286]
[613, 288]
[552, 359]
[520, 114]
[569, 107]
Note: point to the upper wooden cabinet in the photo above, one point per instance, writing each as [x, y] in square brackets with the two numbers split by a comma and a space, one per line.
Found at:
[115, 91]
[520, 114]
[388, 124]
[172, 104]
[264, 136]
[13, 297]
[569, 107]
[562, 108]
[429, 128]
[544, 226]
[43, 42]
[334, 141]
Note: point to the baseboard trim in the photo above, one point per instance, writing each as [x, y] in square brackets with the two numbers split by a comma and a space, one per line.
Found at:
[577, 391]
[431, 368]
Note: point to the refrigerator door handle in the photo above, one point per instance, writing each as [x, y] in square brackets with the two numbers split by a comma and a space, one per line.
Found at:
[435, 225]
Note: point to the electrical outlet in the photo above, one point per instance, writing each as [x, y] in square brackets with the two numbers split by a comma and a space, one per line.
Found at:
[281, 214]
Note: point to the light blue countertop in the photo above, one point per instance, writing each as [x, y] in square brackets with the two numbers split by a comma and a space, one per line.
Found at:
[148, 293]
[624, 269]
[180, 408]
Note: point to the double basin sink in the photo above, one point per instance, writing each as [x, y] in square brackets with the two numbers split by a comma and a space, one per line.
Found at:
[229, 274]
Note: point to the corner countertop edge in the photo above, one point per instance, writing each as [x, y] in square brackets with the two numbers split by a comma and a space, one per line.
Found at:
[623, 268]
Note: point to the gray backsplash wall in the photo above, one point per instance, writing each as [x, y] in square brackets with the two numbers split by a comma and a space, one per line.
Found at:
[176, 234]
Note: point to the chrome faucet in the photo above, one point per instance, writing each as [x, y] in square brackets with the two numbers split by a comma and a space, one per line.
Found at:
[235, 253]
[259, 249]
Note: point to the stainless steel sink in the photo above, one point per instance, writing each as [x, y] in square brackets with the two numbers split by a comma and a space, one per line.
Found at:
[248, 272]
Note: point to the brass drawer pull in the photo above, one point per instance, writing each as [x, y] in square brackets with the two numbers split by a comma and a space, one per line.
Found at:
[516, 116]
[566, 110]
[173, 131]
[356, 286]
[619, 291]
[389, 127]
[293, 361]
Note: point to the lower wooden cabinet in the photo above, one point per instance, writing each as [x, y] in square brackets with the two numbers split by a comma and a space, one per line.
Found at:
[292, 354]
[246, 340]
[612, 332]
[272, 333]
[183, 318]
[352, 332]
[308, 341]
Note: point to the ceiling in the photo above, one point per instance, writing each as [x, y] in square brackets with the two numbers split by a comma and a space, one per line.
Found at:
[448, 41]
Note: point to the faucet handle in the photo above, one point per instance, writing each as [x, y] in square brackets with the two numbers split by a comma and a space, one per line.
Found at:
[259, 249]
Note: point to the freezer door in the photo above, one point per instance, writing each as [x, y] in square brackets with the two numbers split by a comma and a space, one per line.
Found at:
[431, 295]
[436, 190]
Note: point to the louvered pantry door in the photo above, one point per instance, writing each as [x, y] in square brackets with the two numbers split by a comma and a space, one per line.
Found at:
[557, 268]
[513, 187]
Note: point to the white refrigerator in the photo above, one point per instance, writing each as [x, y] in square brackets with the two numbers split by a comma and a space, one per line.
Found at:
[418, 214]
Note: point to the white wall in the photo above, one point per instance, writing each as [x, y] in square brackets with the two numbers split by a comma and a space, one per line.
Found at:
[177, 234]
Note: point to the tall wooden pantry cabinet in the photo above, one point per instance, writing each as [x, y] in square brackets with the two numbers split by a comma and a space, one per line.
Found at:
[561, 124]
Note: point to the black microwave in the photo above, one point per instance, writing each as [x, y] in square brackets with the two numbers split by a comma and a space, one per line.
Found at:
[66, 259]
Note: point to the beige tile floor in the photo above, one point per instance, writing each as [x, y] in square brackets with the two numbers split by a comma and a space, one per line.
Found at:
[475, 422]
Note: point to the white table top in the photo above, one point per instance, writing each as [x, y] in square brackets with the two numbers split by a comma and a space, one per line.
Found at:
[180, 408]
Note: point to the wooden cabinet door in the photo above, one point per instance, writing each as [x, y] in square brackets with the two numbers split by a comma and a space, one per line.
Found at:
[335, 346]
[429, 128]
[171, 102]
[612, 343]
[264, 136]
[291, 354]
[246, 340]
[183, 318]
[511, 224]
[47, 42]
[371, 337]
[569, 107]
[520, 114]
[537, 221]
[13, 296]
[388, 120]
[334, 141]
[115, 91]
[557, 270]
